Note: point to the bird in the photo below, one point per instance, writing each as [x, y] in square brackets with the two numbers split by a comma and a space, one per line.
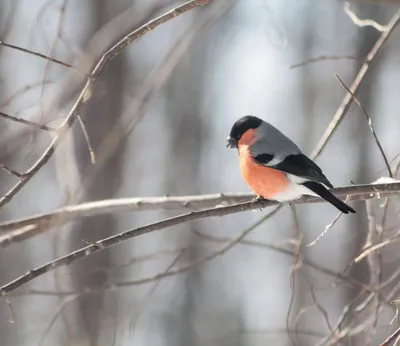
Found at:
[274, 167]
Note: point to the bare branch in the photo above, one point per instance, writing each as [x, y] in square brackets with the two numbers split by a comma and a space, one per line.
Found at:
[369, 121]
[374, 266]
[28, 227]
[391, 338]
[304, 261]
[143, 303]
[83, 97]
[11, 171]
[347, 100]
[40, 55]
[371, 248]
[363, 22]
[104, 243]
[27, 122]
[323, 58]
[87, 139]
[325, 231]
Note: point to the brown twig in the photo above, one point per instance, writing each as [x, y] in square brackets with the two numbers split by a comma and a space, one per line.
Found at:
[139, 309]
[323, 58]
[369, 121]
[11, 171]
[305, 261]
[391, 338]
[40, 55]
[99, 67]
[347, 100]
[27, 122]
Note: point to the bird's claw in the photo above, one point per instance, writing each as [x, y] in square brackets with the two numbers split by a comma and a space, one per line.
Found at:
[259, 199]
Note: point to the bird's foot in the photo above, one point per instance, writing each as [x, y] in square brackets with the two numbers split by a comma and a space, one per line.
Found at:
[260, 199]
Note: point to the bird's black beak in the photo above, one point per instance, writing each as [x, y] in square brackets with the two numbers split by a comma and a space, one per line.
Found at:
[232, 143]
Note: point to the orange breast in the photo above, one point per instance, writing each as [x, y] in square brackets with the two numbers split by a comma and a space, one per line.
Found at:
[264, 181]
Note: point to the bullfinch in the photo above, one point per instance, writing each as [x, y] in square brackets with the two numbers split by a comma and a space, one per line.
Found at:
[274, 167]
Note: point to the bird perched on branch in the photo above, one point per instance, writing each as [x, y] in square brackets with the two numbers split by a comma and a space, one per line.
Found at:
[274, 167]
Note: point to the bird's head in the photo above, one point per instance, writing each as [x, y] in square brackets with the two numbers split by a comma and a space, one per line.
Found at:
[240, 127]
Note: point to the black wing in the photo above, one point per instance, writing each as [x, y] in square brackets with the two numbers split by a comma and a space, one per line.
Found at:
[298, 164]
[321, 191]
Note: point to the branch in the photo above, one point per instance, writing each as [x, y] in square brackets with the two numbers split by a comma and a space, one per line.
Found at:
[322, 58]
[369, 121]
[83, 97]
[110, 241]
[391, 338]
[356, 192]
[347, 100]
[27, 227]
[27, 122]
[304, 261]
[40, 55]
[11, 171]
[363, 22]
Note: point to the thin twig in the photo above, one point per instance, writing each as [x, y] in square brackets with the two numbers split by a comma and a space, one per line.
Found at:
[139, 309]
[347, 100]
[323, 58]
[369, 121]
[87, 139]
[298, 237]
[40, 55]
[27, 122]
[323, 311]
[98, 69]
[305, 261]
[325, 231]
[374, 247]
[11, 171]
[374, 267]
[337, 332]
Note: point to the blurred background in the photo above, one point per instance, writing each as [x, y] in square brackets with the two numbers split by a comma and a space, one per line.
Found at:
[168, 102]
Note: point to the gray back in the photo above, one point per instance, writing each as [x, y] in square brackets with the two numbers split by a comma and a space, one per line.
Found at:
[273, 142]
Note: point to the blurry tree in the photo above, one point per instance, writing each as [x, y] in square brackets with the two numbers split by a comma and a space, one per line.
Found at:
[99, 116]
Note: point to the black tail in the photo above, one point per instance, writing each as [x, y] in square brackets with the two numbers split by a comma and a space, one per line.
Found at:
[321, 191]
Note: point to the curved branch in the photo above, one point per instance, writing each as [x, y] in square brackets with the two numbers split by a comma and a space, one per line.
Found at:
[84, 95]
[360, 192]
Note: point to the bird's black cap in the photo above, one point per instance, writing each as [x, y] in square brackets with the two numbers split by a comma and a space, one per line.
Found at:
[240, 127]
